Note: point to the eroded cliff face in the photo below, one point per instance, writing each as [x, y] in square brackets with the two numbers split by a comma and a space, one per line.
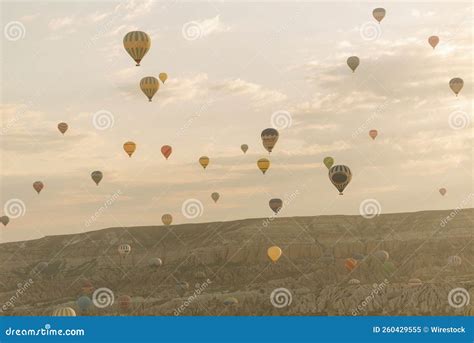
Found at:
[230, 258]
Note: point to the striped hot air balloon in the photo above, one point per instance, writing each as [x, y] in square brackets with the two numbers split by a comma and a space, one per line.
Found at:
[124, 302]
[137, 44]
[269, 138]
[340, 177]
[263, 164]
[64, 312]
[354, 282]
[167, 218]
[149, 85]
[124, 250]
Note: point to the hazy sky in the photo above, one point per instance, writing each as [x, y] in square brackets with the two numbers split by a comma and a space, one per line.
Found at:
[231, 66]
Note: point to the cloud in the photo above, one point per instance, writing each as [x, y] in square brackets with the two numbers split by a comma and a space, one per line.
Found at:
[257, 93]
[207, 27]
[60, 23]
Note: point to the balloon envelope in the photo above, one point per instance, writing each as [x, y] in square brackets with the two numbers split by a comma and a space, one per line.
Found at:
[62, 127]
[350, 264]
[381, 255]
[353, 62]
[4, 220]
[167, 219]
[96, 176]
[129, 148]
[442, 191]
[373, 134]
[263, 164]
[433, 41]
[269, 138]
[38, 186]
[166, 150]
[124, 302]
[215, 196]
[415, 282]
[64, 312]
[340, 176]
[274, 253]
[328, 162]
[230, 301]
[379, 14]
[149, 86]
[454, 261]
[124, 249]
[84, 303]
[275, 205]
[137, 44]
[244, 148]
[204, 161]
[456, 85]
[163, 77]
[155, 262]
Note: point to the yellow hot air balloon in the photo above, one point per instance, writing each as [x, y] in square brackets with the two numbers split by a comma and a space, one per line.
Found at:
[274, 253]
[163, 77]
[263, 164]
[353, 62]
[137, 44]
[129, 148]
[167, 219]
[379, 14]
[204, 161]
[64, 312]
[456, 85]
[433, 40]
[328, 162]
[149, 85]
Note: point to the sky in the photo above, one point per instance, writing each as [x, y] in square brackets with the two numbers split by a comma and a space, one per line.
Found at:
[233, 69]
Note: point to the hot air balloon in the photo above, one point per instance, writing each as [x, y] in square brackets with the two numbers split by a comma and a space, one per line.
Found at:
[340, 177]
[230, 301]
[215, 196]
[129, 148]
[433, 40]
[38, 186]
[149, 85]
[204, 161]
[166, 150]
[163, 77]
[124, 250]
[155, 262]
[353, 62]
[275, 205]
[354, 282]
[64, 312]
[350, 264]
[469, 311]
[442, 191]
[84, 303]
[269, 138]
[181, 287]
[244, 148]
[454, 261]
[87, 287]
[274, 253]
[263, 164]
[379, 14]
[373, 134]
[124, 302]
[96, 176]
[389, 267]
[167, 219]
[456, 85]
[328, 162]
[4, 220]
[137, 44]
[358, 257]
[415, 282]
[381, 255]
[62, 127]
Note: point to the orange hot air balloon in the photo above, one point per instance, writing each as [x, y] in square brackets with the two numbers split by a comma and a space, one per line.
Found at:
[62, 127]
[373, 134]
[433, 40]
[442, 191]
[350, 264]
[38, 186]
[204, 161]
[124, 302]
[166, 151]
[274, 253]
[129, 148]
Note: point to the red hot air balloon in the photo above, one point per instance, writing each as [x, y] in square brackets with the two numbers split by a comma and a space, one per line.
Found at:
[166, 150]
[373, 134]
[124, 302]
[433, 41]
[38, 186]
[350, 264]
